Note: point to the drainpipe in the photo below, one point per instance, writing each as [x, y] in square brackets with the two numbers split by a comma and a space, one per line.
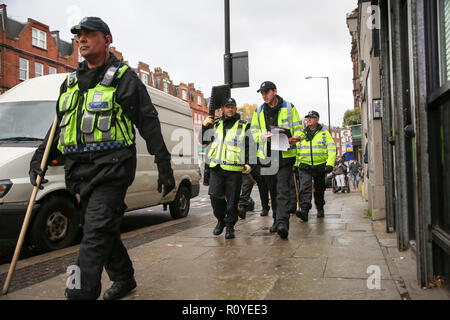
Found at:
[386, 120]
[400, 150]
[423, 214]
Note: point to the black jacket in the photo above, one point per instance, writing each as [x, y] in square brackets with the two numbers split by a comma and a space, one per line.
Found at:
[113, 166]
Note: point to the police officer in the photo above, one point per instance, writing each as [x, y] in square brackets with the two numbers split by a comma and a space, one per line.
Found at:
[228, 157]
[316, 156]
[98, 105]
[276, 166]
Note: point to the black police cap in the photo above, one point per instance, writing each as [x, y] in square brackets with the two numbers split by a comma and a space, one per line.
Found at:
[92, 24]
[312, 114]
[266, 86]
[230, 102]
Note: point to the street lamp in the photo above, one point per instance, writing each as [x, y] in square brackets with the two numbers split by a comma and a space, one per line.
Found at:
[328, 91]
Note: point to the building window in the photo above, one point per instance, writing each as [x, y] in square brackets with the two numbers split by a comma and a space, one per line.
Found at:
[38, 69]
[52, 70]
[144, 78]
[166, 87]
[199, 100]
[39, 38]
[23, 69]
[184, 94]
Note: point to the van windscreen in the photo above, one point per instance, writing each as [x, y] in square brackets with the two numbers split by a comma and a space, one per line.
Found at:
[26, 120]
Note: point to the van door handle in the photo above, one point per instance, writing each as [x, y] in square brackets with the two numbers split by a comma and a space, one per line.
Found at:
[181, 155]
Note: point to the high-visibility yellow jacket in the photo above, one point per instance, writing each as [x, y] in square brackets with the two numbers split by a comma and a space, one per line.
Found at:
[288, 118]
[321, 149]
[93, 120]
[228, 151]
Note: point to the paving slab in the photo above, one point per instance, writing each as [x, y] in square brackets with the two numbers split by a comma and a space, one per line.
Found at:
[324, 258]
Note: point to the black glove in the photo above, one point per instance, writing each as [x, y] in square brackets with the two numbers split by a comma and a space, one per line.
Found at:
[34, 172]
[328, 169]
[165, 178]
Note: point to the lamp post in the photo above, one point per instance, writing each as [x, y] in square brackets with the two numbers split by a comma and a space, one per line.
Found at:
[328, 93]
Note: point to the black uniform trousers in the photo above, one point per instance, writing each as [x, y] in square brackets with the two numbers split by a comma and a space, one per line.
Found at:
[101, 180]
[306, 177]
[224, 191]
[280, 192]
[101, 245]
[247, 186]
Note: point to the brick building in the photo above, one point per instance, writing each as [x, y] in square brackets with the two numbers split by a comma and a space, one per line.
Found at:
[352, 20]
[30, 49]
[336, 135]
[198, 104]
[161, 81]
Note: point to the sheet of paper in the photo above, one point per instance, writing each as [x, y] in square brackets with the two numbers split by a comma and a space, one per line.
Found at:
[279, 141]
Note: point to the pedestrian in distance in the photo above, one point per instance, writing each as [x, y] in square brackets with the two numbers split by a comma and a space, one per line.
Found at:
[355, 169]
[316, 157]
[227, 155]
[277, 115]
[98, 107]
[339, 172]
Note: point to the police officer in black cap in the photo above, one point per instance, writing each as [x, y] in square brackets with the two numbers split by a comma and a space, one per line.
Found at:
[276, 165]
[227, 156]
[98, 107]
[315, 159]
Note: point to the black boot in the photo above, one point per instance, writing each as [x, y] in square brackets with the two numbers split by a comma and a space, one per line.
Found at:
[119, 289]
[242, 213]
[229, 233]
[303, 214]
[265, 212]
[273, 228]
[282, 231]
[320, 213]
[219, 228]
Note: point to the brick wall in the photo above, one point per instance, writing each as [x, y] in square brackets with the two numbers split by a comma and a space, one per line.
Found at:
[21, 46]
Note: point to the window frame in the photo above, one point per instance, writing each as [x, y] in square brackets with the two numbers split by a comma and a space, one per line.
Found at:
[52, 68]
[35, 69]
[38, 38]
[165, 86]
[27, 69]
[144, 75]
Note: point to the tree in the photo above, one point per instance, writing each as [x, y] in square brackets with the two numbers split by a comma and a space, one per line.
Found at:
[247, 110]
[352, 117]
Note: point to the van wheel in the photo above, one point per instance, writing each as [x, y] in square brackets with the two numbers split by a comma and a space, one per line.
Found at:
[179, 208]
[56, 225]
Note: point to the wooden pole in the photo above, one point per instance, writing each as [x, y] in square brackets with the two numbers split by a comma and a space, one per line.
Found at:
[26, 220]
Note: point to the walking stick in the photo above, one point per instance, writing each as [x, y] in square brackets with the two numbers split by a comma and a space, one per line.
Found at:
[26, 220]
[296, 193]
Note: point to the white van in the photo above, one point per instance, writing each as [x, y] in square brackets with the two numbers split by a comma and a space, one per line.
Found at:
[26, 113]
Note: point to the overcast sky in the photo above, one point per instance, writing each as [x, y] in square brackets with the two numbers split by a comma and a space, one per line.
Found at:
[287, 40]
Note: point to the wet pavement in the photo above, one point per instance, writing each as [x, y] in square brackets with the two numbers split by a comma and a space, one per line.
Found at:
[343, 256]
